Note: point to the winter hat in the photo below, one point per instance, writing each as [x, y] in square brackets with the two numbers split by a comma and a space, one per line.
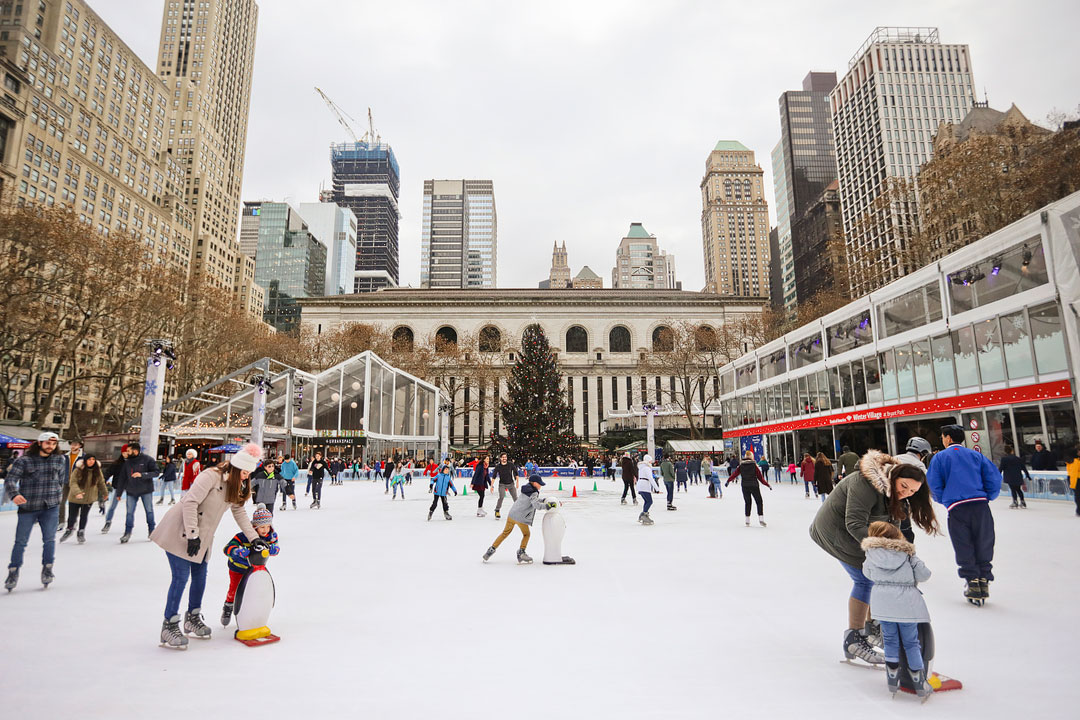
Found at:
[192, 453]
[47, 436]
[261, 516]
[647, 459]
[247, 458]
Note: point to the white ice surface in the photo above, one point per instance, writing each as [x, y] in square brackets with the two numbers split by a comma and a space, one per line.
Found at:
[385, 615]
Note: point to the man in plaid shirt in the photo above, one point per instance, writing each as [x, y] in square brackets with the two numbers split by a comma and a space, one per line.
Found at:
[34, 482]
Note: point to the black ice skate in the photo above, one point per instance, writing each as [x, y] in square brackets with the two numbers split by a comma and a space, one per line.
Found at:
[430, 513]
[106, 526]
[67, 533]
[671, 507]
[226, 614]
[194, 625]
[984, 587]
[973, 592]
[81, 536]
[171, 635]
[125, 537]
[447, 515]
[47, 575]
[856, 647]
[12, 579]
[922, 688]
[522, 558]
[893, 678]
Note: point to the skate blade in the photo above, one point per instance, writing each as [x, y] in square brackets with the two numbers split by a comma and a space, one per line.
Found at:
[865, 665]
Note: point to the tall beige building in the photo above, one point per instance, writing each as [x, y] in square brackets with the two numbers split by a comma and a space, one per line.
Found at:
[641, 264]
[559, 276]
[735, 222]
[206, 56]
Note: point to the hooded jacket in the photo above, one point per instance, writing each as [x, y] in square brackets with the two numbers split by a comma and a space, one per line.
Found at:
[645, 480]
[895, 572]
[861, 498]
[525, 507]
[264, 487]
[444, 481]
[87, 484]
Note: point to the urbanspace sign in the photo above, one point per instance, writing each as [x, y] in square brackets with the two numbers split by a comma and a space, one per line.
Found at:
[1007, 396]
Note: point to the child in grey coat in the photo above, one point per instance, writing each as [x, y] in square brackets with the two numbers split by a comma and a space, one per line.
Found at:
[896, 602]
[521, 517]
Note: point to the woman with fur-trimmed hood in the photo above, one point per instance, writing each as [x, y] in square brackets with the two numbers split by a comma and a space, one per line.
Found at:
[875, 492]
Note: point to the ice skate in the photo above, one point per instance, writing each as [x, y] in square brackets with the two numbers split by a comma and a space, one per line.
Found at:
[125, 537]
[81, 536]
[497, 515]
[294, 504]
[315, 502]
[872, 633]
[635, 501]
[671, 507]
[160, 501]
[226, 614]
[1013, 506]
[445, 515]
[482, 512]
[171, 635]
[430, 513]
[523, 558]
[922, 687]
[646, 520]
[623, 501]
[984, 587]
[282, 505]
[47, 575]
[856, 647]
[12, 579]
[194, 625]
[1023, 504]
[747, 521]
[761, 521]
[973, 592]
[172, 501]
[106, 526]
[489, 553]
[67, 533]
[893, 679]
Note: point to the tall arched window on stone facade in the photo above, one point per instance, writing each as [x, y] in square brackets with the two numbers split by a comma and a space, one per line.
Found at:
[444, 337]
[490, 339]
[403, 339]
[663, 340]
[705, 338]
[577, 340]
[619, 340]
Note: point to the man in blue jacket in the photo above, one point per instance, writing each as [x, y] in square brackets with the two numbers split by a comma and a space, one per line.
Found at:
[138, 476]
[965, 482]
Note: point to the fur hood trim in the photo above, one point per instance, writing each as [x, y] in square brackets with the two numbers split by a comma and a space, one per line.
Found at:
[875, 466]
[888, 544]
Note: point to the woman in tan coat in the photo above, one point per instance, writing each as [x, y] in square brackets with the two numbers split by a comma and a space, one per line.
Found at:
[87, 485]
[186, 533]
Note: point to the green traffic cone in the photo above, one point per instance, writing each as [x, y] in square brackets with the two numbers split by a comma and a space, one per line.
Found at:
[464, 489]
[594, 486]
[560, 485]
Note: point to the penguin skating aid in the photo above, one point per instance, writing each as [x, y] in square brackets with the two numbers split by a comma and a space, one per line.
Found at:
[254, 601]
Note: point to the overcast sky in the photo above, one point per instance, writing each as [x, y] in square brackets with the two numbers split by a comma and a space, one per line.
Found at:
[587, 115]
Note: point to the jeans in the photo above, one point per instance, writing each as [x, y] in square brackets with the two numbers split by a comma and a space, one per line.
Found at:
[503, 489]
[396, 486]
[680, 484]
[892, 633]
[809, 486]
[629, 485]
[861, 590]
[77, 512]
[148, 506]
[647, 498]
[182, 569]
[316, 491]
[670, 491]
[752, 490]
[113, 502]
[171, 487]
[48, 519]
[717, 484]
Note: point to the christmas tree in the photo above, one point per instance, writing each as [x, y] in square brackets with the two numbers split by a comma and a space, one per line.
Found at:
[536, 416]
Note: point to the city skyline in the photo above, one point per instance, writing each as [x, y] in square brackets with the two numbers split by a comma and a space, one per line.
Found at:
[585, 91]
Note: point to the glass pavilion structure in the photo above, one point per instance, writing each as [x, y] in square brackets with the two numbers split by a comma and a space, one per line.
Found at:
[361, 408]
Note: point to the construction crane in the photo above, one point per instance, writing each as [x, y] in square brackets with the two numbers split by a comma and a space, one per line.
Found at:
[341, 116]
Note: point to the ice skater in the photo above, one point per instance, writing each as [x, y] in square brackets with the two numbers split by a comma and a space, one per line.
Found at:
[823, 476]
[896, 602]
[87, 485]
[481, 483]
[629, 477]
[238, 551]
[507, 472]
[750, 478]
[397, 481]
[966, 482]
[646, 486]
[807, 471]
[1013, 471]
[521, 516]
[443, 481]
[667, 472]
[316, 472]
[35, 483]
[168, 480]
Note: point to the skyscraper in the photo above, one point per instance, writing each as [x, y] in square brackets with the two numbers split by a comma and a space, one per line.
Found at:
[781, 261]
[735, 222]
[366, 179]
[459, 243]
[289, 262]
[640, 263]
[806, 166]
[206, 55]
[335, 228]
[559, 276]
[900, 85]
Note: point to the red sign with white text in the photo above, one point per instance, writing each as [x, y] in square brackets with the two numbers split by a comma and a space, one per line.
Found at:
[1007, 396]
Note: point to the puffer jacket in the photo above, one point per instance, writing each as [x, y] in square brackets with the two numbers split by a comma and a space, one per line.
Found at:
[87, 484]
[646, 482]
[895, 572]
[444, 481]
[843, 520]
[525, 507]
[264, 487]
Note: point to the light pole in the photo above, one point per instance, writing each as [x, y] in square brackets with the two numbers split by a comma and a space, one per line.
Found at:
[159, 359]
[650, 435]
[258, 407]
[444, 410]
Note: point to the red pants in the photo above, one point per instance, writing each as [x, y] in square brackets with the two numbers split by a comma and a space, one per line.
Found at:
[234, 582]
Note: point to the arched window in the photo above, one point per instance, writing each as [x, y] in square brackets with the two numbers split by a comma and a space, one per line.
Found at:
[577, 340]
[705, 338]
[444, 337]
[490, 339]
[403, 339]
[663, 340]
[619, 340]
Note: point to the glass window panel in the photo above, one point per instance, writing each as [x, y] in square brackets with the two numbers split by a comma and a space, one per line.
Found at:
[847, 391]
[426, 420]
[352, 402]
[240, 410]
[812, 392]
[942, 356]
[905, 371]
[275, 404]
[851, 333]
[924, 369]
[1048, 340]
[1060, 430]
[909, 311]
[806, 351]
[823, 390]
[963, 341]
[791, 393]
[1016, 342]
[873, 380]
[327, 401]
[804, 396]
[304, 418]
[888, 374]
[1028, 428]
[1020, 268]
[999, 427]
[404, 405]
[774, 364]
[386, 424]
[834, 389]
[375, 398]
[858, 382]
[988, 343]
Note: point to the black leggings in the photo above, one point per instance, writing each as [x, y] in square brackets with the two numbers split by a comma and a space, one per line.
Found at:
[77, 509]
[435, 501]
[480, 503]
[752, 490]
[1017, 493]
[316, 490]
[629, 485]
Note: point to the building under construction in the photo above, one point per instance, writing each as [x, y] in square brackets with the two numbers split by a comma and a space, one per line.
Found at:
[367, 181]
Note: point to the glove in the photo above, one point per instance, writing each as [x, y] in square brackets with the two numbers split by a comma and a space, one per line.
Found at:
[274, 549]
[258, 545]
[552, 504]
[193, 545]
[243, 551]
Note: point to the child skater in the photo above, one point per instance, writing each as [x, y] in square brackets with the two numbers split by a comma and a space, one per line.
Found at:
[896, 601]
[238, 551]
[521, 516]
[397, 480]
[443, 481]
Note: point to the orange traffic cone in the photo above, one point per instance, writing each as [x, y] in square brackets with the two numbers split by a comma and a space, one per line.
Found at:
[575, 492]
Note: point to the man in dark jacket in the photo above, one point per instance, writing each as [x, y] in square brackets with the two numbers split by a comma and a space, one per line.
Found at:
[847, 463]
[1043, 458]
[138, 481]
[693, 467]
[507, 472]
[34, 483]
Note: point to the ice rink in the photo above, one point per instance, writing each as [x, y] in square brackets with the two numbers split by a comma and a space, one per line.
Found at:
[385, 615]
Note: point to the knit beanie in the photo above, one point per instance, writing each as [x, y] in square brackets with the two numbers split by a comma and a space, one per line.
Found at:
[247, 458]
[261, 516]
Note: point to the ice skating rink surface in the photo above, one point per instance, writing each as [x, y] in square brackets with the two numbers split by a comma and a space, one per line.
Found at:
[385, 615]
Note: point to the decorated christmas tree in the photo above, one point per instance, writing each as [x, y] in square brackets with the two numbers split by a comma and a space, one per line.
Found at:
[536, 416]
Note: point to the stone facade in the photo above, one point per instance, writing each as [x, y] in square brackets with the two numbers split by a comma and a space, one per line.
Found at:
[599, 336]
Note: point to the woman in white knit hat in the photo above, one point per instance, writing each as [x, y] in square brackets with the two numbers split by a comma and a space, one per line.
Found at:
[186, 533]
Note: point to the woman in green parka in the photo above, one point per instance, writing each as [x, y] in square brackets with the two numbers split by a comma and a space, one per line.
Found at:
[876, 491]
